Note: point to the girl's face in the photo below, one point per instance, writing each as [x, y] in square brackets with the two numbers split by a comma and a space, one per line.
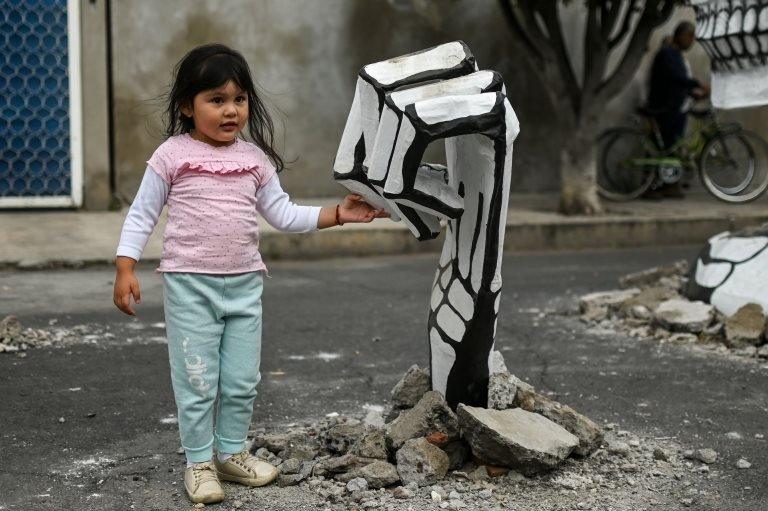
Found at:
[219, 114]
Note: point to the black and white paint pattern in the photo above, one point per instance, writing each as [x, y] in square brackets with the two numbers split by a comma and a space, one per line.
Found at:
[732, 271]
[388, 130]
[734, 33]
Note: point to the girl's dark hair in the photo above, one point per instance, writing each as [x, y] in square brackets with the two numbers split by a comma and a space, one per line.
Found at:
[210, 66]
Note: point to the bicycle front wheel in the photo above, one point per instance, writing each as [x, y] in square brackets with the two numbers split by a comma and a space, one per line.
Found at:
[623, 173]
[734, 166]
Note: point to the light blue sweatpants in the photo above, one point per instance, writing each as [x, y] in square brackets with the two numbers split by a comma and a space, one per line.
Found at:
[213, 325]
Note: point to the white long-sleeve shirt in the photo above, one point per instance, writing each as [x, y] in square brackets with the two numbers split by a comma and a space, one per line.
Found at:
[273, 204]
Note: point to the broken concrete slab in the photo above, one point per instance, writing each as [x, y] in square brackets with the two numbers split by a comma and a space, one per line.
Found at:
[680, 315]
[420, 462]
[590, 434]
[430, 414]
[515, 438]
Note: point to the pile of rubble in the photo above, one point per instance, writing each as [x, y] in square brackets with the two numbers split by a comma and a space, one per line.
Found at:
[422, 455]
[16, 339]
[652, 304]
[422, 441]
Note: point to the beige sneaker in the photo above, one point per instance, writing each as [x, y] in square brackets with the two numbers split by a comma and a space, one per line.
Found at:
[245, 469]
[202, 484]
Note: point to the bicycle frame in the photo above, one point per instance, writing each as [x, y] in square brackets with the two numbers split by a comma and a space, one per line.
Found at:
[685, 152]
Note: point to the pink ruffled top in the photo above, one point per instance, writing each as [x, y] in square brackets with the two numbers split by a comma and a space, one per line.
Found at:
[212, 225]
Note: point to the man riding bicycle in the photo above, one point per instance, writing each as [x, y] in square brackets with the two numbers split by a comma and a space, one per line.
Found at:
[671, 87]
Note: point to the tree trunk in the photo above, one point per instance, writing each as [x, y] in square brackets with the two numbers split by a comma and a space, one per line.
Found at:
[578, 174]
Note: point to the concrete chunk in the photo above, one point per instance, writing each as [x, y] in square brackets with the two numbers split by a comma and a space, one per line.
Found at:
[515, 438]
[422, 463]
[596, 306]
[411, 387]
[590, 434]
[380, 474]
[648, 299]
[340, 437]
[746, 326]
[430, 414]
[680, 315]
[501, 391]
[372, 444]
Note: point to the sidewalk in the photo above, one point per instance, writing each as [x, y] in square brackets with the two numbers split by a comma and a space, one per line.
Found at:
[34, 239]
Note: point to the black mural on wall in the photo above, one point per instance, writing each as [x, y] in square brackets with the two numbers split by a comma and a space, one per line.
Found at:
[734, 33]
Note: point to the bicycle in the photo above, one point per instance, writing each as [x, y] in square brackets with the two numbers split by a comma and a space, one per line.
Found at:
[727, 157]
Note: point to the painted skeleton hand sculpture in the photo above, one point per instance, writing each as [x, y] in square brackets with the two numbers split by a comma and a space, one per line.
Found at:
[735, 35]
[400, 106]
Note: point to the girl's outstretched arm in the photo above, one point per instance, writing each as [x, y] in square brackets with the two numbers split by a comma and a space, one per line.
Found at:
[282, 214]
[352, 210]
[276, 207]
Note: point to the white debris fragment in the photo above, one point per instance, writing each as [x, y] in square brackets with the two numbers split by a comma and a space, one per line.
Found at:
[324, 356]
[169, 419]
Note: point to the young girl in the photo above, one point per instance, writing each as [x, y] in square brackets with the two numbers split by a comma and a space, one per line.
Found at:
[214, 183]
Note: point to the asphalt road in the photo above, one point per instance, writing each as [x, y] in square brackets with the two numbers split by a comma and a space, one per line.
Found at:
[337, 336]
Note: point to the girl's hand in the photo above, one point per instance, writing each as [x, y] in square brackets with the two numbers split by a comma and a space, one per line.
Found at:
[355, 209]
[126, 285]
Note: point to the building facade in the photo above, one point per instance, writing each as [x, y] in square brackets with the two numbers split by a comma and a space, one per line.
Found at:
[304, 55]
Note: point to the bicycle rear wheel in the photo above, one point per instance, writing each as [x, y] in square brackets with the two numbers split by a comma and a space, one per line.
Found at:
[734, 166]
[621, 173]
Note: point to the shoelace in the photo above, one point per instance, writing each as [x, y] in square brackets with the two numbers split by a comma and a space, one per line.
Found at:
[245, 461]
[204, 473]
